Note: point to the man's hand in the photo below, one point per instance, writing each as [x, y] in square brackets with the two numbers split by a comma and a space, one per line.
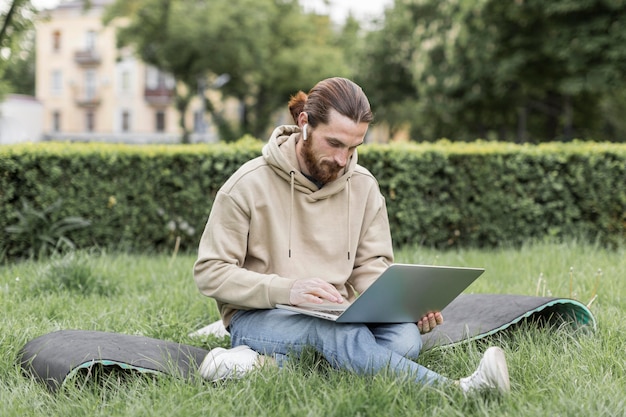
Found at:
[314, 291]
[429, 322]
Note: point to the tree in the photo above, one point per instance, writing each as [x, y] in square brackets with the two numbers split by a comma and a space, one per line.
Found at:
[453, 71]
[563, 56]
[19, 71]
[16, 25]
[385, 69]
[268, 48]
[506, 69]
[15, 21]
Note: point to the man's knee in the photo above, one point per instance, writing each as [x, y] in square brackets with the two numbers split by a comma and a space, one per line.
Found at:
[404, 339]
[410, 347]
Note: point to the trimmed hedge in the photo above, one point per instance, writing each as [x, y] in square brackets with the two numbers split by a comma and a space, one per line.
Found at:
[485, 194]
[142, 197]
[138, 198]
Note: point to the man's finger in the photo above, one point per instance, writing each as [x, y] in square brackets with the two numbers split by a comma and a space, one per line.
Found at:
[439, 318]
[326, 291]
[424, 325]
[420, 327]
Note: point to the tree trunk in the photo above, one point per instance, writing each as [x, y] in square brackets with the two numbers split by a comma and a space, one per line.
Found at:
[568, 119]
[182, 103]
[522, 121]
[9, 17]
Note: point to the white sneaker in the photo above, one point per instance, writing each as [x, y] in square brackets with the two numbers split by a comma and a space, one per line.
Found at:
[492, 374]
[222, 363]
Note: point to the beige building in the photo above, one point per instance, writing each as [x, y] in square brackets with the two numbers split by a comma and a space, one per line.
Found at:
[90, 90]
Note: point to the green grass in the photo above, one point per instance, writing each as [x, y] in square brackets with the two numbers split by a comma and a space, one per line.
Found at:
[554, 371]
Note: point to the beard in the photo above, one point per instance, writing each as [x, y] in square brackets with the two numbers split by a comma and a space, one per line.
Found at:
[322, 171]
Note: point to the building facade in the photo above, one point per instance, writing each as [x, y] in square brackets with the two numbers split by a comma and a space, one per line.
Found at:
[92, 91]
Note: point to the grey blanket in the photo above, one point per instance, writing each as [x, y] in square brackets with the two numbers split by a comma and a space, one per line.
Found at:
[55, 357]
[474, 316]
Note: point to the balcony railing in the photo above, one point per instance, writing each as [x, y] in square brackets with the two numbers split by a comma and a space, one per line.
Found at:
[87, 57]
[160, 96]
[87, 101]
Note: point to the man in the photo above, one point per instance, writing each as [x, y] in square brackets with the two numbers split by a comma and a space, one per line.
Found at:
[304, 223]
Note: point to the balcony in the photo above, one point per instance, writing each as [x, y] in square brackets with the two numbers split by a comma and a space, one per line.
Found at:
[87, 101]
[87, 58]
[159, 97]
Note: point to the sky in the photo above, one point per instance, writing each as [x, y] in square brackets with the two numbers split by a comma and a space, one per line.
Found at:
[338, 9]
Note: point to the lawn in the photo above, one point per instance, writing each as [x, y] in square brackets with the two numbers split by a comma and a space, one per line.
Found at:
[561, 371]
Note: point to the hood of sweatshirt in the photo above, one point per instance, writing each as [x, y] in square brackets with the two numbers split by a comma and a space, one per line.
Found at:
[280, 155]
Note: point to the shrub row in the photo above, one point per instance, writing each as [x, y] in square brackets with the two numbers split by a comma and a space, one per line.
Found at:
[146, 197]
[485, 194]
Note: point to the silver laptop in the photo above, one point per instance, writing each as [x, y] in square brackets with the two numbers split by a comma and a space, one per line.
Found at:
[402, 294]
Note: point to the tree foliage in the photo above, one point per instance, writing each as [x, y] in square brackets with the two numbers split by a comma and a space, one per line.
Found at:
[560, 57]
[16, 59]
[385, 70]
[507, 69]
[517, 70]
[269, 48]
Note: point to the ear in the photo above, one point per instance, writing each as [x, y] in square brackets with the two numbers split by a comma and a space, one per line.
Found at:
[303, 119]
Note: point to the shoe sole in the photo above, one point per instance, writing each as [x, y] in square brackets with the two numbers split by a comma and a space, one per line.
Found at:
[210, 360]
[213, 359]
[501, 377]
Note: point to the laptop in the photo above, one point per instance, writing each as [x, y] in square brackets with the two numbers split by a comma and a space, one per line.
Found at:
[404, 293]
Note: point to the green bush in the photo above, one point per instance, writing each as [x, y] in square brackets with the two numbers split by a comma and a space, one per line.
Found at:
[145, 198]
[40, 232]
[138, 198]
[484, 193]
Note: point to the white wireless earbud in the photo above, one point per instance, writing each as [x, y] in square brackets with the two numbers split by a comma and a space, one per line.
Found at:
[304, 137]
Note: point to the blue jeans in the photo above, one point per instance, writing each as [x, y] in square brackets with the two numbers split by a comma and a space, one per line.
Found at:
[360, 348]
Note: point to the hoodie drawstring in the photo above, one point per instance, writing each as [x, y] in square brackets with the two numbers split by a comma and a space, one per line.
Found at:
[348, 216]
[292, 175]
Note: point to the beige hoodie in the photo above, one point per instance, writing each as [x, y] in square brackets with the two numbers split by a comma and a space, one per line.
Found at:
[269, 226]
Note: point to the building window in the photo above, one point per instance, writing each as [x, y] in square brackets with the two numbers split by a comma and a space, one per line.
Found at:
[152, 78]
[57, 82]
[125, 121]
[157, 79]
[160, 121]
[90, 40]
[90, 85]
[90, 123]
[56, 121]
[125, 83]
[56, 41]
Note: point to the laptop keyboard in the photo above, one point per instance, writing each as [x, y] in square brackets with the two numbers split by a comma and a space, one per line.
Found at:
[331, 312]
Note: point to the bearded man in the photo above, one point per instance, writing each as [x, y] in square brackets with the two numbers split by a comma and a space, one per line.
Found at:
[306, 224]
